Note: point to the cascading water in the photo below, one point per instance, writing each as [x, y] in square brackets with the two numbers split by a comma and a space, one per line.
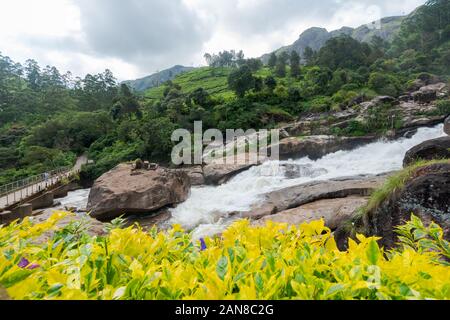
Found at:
[206, 210]
[76, 199]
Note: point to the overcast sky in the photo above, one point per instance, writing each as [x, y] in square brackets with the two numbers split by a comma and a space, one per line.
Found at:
[135, 38]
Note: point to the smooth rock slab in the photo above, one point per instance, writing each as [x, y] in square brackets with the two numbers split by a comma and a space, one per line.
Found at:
[333, 211]
[294, 197]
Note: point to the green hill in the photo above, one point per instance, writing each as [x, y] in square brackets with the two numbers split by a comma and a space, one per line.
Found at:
[214, 80]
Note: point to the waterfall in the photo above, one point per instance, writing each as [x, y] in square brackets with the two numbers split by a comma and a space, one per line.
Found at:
[206, 210]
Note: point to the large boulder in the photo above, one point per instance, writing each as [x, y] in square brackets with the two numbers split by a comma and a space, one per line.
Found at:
[333, 211]
[127, 191]
[429, 93]
[424, 96]
[426, 194]
[429, 150]
[447, 126]
[297, 196]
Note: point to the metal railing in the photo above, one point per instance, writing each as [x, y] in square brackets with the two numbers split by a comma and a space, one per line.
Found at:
[17, 191]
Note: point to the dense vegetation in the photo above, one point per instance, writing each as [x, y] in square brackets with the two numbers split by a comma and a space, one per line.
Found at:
[271, 262]
[46, 118]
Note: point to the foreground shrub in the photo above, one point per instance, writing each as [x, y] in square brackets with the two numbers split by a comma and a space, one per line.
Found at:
[272, 262]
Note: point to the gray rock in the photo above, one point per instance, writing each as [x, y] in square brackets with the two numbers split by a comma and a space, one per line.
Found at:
[216, 174]
[428, 150]
[120, 192]
[426, 194]
[294, 197]
[333, 211]
[195, 174]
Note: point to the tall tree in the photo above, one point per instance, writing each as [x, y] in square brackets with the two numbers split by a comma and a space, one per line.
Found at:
[272, 60]
[33, 73]
[295, 64]
[126, 104]
[280, 69]
[241, 80]
[270, 83]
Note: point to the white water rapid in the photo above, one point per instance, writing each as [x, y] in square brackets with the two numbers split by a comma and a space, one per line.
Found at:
[75, 199]
[206, 210]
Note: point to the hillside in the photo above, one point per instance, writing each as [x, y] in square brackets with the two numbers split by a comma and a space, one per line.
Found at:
[156, 79]
[214, 80]
[315, 37]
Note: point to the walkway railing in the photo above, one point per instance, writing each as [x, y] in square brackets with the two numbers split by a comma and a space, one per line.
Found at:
[17, 191]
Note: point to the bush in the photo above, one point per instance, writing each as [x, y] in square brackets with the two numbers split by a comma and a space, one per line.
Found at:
[443, 107]
[319, 104]
[384, 84]
[276, 261]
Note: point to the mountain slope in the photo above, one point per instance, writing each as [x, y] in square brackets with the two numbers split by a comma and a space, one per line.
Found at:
[315, 38]
[157, 79]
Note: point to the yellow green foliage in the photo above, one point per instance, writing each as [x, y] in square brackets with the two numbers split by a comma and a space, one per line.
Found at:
[272, 262]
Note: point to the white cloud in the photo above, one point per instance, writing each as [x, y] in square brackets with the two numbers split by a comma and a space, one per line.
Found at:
[137, 37]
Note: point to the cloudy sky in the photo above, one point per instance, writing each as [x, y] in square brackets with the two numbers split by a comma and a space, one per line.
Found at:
[135, 38]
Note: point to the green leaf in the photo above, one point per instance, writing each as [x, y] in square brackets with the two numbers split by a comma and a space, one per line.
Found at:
[55, 290]
[222, 267]
[334, 289]
[15, 277]
[259, 282]
[419, 234]
[373, 252]
[231, 254]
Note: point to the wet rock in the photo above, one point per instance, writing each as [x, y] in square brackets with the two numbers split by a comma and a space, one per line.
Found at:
[333, 211]
[428, 150]
[217, 174]
[426, 194]
[120, 192]
[158, 219]
[294, 197]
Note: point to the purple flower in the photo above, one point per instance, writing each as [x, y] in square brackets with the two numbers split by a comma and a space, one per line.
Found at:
[33, 266]
[23, 263]
[202, 244]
